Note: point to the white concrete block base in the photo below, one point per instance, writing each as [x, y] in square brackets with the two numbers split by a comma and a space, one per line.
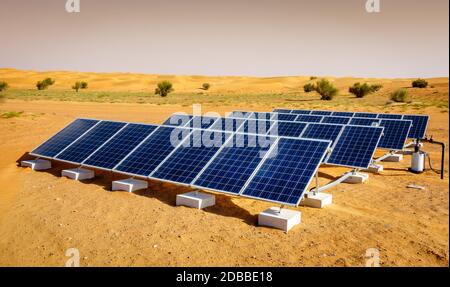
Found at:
[394, 158]
[375, 168]
[283, 219]
[318, 200]
[357, 178]
[37, 164]
[129, 185]
[78, 173]
[196, 200]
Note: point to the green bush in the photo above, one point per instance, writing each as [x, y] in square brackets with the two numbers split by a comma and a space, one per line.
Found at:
[164, 88]
[419, 83]
[360, 90]
[399, 96]
[79, 85]
[376, 87]
[312, 78]
[206, 86]
[3, 86]
[309, 88]
[326, 90]
[42, 85]
[84, 85]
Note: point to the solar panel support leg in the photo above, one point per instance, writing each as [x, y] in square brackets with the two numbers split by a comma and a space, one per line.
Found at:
[283, 219]
[196, 199]
[37, 164]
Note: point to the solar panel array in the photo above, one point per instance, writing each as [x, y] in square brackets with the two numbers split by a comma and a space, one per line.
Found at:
[277, 169]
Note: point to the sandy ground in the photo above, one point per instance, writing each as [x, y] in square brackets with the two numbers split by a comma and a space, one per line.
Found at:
[42, 214]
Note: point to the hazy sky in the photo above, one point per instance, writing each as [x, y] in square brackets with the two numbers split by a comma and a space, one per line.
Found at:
[408, 38]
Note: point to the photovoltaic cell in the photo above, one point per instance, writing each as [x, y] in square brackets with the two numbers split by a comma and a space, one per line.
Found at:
[88, 143]
[201, 122]
[109, 155]
[336, 120]
[356, 146]
[282, 111]
[286, 173]
[343, 114]
[395, 134]
[284, 117]
[65, 137]
[151, 152]
[239, 114]
[235, 163]
[419, 126]
[322, 131]
[390, 116]
[227, 124]
[178, 120]
[364, 122]
[261, 116]
[301, 112]
[308, 118]
[365, 115]
[256, 126]
[287, 129]
[321, 113]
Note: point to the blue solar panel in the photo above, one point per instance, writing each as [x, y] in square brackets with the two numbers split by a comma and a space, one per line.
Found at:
[151, 152]
[288, 170]
[282, 111]
[336, 120]
[419, 126]
[322, 131]
[356, 146]
[343, 114]
[395, 134]
[364, 122]
[109, 155]
[88, 143]
[284, 117]
[227, 124]
[178, 120]
[201, 122]
[235, 163]
[239, 114]
[309, 118]
[301, 112]
[191, 157]
[65, 137]
[321, 113]
[261, 116]
[390, 116]
[287, 129]
[256, 126]
[365, 115]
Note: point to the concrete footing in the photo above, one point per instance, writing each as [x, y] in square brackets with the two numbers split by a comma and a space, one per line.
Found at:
[357, 178]
[318, 200]
[129, 185]
[394, 158]
[78, 173]
[37, 164]
[283, 219]
[196, 200]
[375, 168]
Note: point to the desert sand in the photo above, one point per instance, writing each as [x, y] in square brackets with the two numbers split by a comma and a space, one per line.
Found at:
[43, 214]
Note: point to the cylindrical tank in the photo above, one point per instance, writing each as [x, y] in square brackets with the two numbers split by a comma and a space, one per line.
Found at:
[418, 162]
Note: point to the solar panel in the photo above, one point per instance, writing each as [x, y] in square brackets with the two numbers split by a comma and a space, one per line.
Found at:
[283, 117]
[110, 154]
[419, 126]
[336, 120]
[63, 138]
[178, 120]
[282, 111]
[309, 118]
[355, 147]
[84, 146]
[287, 129]
[321, 113]
[201, 122]
[343, 114]
[184, 164]
[227, 124]
[234, 164]
[287, 171]
[239, 114]
[152, 151]
[364, 122]
[256, 127]
[390, 116]
[261, 116]
[365, 115]
[395, 134]
[322, 131]
[301, 112]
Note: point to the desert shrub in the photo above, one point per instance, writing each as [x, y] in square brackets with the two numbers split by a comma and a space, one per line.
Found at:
[164, 88]
[360, 90]
[376, 87]
[419, 83]
[312, 78]
[399, 96]
[326, 90]
[309, 88]
[206, 86]
[79, 85]
[3, 86]
[84, 85]
[44, 84]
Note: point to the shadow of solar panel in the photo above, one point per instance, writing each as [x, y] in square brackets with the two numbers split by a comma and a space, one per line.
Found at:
[227, 124]
[301, 112]
[364, 122]
[283, 117]
[89, 142]
[355, 147]
[309, 118]
[178, 120]
[63, 138]
[419, 126]
[336, 120]
[342, 114]
[395, 134]
[235, 163]
[287, 129]
[116, 149]
[152, 151]
[322, 131]
[201, 122]
[256, 126]
[184, 164]
[390, 116]
[288, 170]
[365, 115]
[321, 113]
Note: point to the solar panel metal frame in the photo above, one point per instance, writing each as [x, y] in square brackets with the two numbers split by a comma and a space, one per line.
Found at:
[230, 115]
[332, 143]
[188, 124]
[426, 126]
[277, 115]
[224, 119]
